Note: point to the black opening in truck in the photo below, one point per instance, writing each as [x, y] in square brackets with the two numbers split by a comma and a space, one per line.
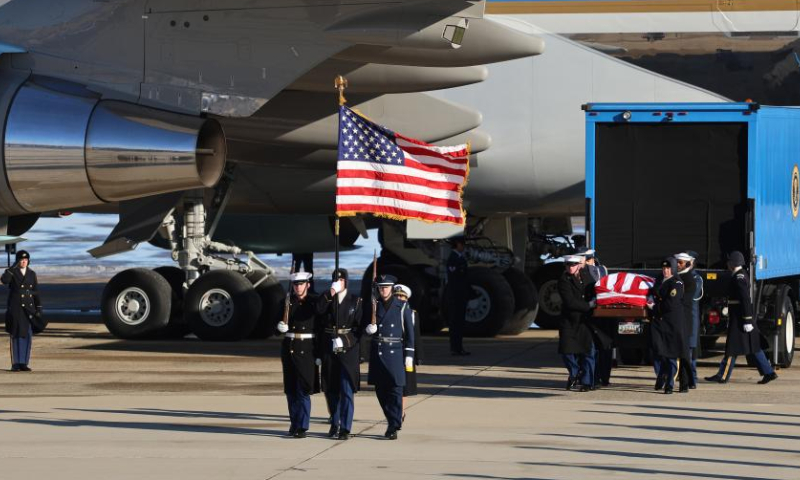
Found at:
[667, 188]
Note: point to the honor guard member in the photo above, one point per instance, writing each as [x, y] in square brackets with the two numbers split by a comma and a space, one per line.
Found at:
[403, 293]
[743, 336]
[458, 285]
[300, 354]
[602, 329]
[391, 352]
[698, 295]
[574, 335]
[24, 310]
[341, 320]
[666, 329]
[684, 265]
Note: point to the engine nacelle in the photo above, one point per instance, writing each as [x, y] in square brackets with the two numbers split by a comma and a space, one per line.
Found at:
[65, 148]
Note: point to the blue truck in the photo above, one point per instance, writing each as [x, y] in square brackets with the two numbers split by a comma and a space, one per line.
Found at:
[663, 178]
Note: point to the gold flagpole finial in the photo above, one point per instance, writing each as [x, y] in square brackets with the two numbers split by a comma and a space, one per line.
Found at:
[340, 83]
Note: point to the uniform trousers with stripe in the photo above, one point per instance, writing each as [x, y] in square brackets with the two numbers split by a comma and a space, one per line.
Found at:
[762, 364]
[21, 349]
[341, 403]
[299, 407]
[391, 399]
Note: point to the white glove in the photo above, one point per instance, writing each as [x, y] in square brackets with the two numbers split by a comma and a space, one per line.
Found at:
[748, 327]
[724, 311]
[282, 327]
[409, 362]
[371, 329]
[337, 343]
[318, 362]
[337, 286]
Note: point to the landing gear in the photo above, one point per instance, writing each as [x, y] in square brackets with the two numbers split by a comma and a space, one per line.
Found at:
[526, 302]
[176, 326]
[272, 296]
[221, 306]
[490, 305]
[546, 281]
[136, 304]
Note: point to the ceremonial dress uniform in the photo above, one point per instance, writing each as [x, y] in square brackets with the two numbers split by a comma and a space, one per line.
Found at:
[685, 362]
[340, 364]
[694, 337]
[392, 350]
[299, 352]
[668, 342]
[23, 311]
[743, 335]
[575, 342]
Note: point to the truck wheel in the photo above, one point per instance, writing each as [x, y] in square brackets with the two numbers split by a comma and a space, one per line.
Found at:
[526, 302]
[631, 356]
[273, 297]
[546, 281]
[136, 304]
[414, 279]
[491, 302]
[177, 326]
[786, 334]
[221, 306]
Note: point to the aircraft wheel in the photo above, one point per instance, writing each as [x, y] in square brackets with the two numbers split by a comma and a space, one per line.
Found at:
[221, 306]
[136, 304]
[272, 297]
[546, 281]
[490, 304]
[526, 302]
[177, 326]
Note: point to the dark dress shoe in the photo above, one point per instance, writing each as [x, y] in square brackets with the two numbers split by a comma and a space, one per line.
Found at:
[692, 386]
[334, 431]
[391, 434]
[768, 378]
[667, 390]
[715, 378]
[683, 390]
[300, 433]
[659, 382]
[571, 381]
[25, 368]
[344, 434]
[15, 367]
[292, 431]
[605, 383]
[584, 388]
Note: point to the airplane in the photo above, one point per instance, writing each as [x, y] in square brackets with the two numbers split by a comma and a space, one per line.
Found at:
[171, 112]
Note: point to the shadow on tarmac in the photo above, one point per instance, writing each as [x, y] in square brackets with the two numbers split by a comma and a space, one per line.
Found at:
[671, 443]
[657, 428]
[645, 471]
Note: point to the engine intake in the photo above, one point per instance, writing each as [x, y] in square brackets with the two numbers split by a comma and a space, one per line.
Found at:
[65, 148]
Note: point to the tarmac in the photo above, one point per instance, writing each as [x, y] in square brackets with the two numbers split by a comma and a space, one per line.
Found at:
[96, 407]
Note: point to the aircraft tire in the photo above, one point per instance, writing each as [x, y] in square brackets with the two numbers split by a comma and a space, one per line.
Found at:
[177, 326]
[272, 297]
[526, 302]
[546, 282]
[221, 306]
[136, 304]
[491, 302]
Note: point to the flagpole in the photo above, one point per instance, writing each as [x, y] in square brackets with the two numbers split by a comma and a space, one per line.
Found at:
[340, 83]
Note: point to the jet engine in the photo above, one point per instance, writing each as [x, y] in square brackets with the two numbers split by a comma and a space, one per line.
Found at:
[65, 148]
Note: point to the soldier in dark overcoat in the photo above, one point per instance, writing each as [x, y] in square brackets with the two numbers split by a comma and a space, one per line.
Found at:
[300, 353]
[743, 335]
[459, 288]
[339, 335]
[602, 329]
[23, 310]
[574, 335]
[685, 273]
[666, 329]
[391, 352]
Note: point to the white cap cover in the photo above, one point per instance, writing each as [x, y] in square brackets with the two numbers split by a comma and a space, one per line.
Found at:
[300, 277]
[399, 288]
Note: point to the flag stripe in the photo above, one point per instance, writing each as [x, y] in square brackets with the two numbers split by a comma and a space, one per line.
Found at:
[389, 177]
[398, 195]
[401, 170]
[396, 212]
[444, 159]
[412, 162]
[402, 204]
[458, 151]
[399, 186]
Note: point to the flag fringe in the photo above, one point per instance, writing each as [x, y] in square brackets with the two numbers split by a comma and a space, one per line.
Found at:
[391, 216]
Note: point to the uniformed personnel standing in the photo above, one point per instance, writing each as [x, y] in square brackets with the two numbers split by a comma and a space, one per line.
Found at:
[300, 353]
[666, 329]
[458, 284]
[694, 338]
[743, 335]
[23, 314]
[403, 293]
[391, 352]
[602, 329]
[574, 335]
[684, 264]
[340, 353]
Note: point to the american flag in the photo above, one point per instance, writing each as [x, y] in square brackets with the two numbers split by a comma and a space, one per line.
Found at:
[389, 175]
[623, 288]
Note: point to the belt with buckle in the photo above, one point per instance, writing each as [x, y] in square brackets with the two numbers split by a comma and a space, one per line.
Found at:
[300, 336]
[337, 331]
[389, 339]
